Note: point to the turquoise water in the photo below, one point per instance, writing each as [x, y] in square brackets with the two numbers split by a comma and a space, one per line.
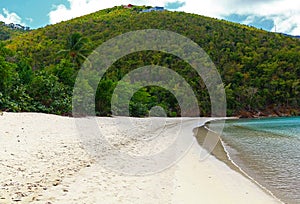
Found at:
[268, 150]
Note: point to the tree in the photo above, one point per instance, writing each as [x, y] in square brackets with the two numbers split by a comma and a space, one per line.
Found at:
[76, 48]
[8, 75]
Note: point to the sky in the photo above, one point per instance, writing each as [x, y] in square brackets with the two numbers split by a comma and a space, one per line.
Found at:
[272, 15]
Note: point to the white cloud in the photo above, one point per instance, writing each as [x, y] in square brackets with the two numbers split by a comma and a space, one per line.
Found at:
[10, 17]
[79, 8]
[249, 19]
[30, 20]
[285, 13]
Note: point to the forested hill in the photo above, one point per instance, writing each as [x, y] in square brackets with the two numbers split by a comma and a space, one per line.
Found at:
[260, 70]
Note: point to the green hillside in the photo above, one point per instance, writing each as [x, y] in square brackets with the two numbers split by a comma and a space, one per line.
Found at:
[260, 70]
[7, 33]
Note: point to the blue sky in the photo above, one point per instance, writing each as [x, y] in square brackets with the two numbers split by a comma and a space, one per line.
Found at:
[282, 15]
[33, 13]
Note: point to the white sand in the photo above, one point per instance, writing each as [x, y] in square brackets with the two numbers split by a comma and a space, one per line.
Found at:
[43, 161]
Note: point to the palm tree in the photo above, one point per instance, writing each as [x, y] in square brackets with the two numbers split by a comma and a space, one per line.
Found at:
[76, 48]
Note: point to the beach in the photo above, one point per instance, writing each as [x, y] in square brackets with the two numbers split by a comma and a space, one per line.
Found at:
[42, 160]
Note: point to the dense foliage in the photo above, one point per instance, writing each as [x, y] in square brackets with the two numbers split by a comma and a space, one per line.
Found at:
[260, 70]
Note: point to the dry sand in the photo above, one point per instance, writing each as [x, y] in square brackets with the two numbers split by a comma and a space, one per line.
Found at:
[43, 161]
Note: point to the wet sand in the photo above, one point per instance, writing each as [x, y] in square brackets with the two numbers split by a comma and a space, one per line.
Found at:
[221, 154]
[219, 151]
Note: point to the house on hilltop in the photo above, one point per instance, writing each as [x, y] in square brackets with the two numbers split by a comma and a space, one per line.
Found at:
[129, 6]
[156, 8]
[17, 26]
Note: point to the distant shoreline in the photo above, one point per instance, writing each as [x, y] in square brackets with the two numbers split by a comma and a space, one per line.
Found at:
[268, 112]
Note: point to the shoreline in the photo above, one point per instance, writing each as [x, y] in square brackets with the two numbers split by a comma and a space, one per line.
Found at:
[223, 155]
[42, 160]
[268, 112]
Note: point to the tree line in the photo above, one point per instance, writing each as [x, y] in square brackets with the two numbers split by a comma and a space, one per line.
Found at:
[260, 70]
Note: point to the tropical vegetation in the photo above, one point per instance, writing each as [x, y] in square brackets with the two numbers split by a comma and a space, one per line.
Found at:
[260, 70]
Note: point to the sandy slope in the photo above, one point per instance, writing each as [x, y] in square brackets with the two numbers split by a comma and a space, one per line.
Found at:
[43, 161]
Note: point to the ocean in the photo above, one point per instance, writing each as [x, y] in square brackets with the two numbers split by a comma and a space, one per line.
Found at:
[268, 150]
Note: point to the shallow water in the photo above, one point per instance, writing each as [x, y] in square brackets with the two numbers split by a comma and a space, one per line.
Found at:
[268, 150]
